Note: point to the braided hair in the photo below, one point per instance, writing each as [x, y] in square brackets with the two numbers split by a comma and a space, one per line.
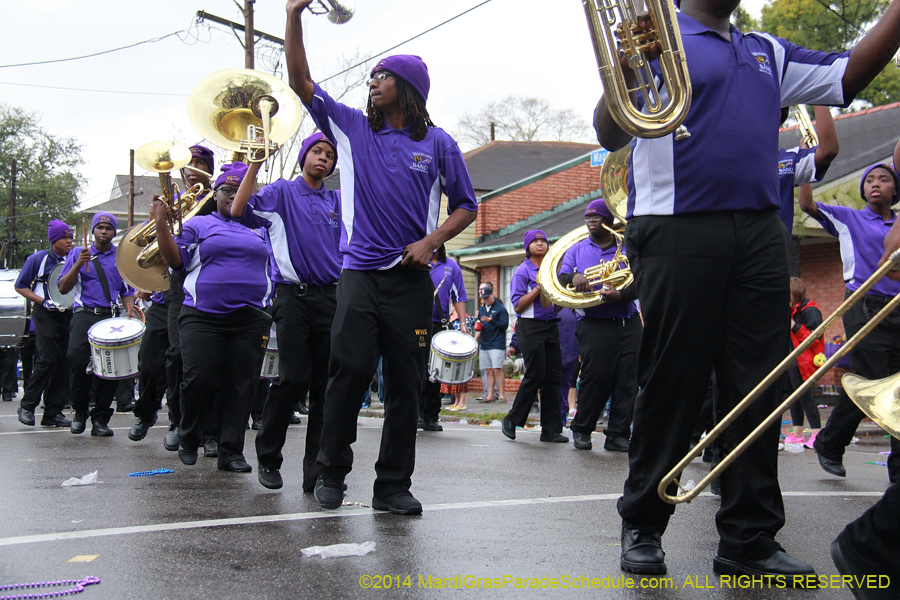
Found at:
[411, 104]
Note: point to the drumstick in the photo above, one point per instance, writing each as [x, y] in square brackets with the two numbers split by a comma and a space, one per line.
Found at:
[84, 233]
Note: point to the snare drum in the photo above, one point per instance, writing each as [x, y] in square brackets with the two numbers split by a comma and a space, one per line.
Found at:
[114, 347]
[270, 363]
[453, 355]
[12, 310]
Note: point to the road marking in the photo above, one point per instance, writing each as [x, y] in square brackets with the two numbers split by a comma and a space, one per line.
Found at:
[352, 512]
[84, 558]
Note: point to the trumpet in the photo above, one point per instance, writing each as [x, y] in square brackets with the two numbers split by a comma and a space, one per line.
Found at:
[616, 35]
[805, 126]
[338, 12]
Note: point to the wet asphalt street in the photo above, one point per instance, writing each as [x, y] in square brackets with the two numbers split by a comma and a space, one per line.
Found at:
[493, 509]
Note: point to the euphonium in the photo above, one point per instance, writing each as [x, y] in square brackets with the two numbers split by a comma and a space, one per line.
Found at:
[616, 35]
[338, 12]
[613, 273]
[805, 125]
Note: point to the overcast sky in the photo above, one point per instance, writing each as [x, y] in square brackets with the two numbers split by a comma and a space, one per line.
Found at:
[533, 48]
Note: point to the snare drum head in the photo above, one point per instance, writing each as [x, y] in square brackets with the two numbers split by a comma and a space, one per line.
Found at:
[116, 331]
[64, 300]
[454, 344]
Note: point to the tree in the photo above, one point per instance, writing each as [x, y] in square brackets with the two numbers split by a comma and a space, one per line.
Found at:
[522, 120]
[833, 27]
[743, 20]
[47, 180]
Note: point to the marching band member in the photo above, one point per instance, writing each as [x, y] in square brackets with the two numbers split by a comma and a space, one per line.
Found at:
[609, 337]
[199, 170]
[92, 273]
[711, 270]
[447, 279]
[538, 336]
[151, 367]
[224, 321]
[303, 220]
[50, 377]
[862, 233]
[397, 164]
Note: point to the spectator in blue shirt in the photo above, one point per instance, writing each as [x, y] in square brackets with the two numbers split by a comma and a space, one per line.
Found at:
[494, 320]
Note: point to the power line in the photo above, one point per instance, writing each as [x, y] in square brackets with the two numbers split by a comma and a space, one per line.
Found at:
[54, 87]
[58, 60]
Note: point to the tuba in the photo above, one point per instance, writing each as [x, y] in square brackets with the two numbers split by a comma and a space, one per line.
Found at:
[337, 12]
[617, 36]
[613, 273]
[137, 256]
[245, 111]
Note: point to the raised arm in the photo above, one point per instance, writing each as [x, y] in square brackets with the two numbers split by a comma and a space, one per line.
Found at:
[297, 66]
[245, 191]
[828, 147]
[873, 52]
[806, 202]
[167, 246]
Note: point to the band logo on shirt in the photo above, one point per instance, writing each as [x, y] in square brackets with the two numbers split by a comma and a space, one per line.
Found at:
[421, 161]
[785, 167]
[762, 59]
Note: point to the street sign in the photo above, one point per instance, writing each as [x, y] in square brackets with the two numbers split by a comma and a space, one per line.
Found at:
[598, 156]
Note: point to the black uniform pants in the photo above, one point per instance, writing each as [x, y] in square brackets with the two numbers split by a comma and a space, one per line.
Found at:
[303, 327]
[385, 313]
[430, 406]
[222, 356]
[9, 383]
[876, 356]
[873, 540]
[609, 349]
[152, 362]
[806, 403]
[714, 293]
[174, 362]
[50, 376]
[26, 353]
[81, 378]
[539, 343]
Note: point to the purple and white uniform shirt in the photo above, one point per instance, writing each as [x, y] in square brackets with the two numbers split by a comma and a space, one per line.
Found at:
[860, 233]
[227, 265]
[796, 166]
[584, 255]
[35, 273]
[304, 228]
[728, 162]
[391, 186]
[448, 281]
[88, 290]
[523, 281]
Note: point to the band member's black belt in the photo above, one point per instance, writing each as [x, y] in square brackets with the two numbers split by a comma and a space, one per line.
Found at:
[878, 301]
[96, 311]
[303, 289]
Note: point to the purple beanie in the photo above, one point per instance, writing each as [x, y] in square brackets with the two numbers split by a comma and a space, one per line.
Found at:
[598, 207]
[57, 230]
[232, 175]
[409, 67]
[105, 217]
[206, 155]
[534, 234]
[862, 181]
[311, 141]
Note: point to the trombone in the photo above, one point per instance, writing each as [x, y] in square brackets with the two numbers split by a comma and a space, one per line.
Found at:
[673, 475]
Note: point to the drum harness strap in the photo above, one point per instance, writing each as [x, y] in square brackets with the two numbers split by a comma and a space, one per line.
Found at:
[445, 322]
[114, 308]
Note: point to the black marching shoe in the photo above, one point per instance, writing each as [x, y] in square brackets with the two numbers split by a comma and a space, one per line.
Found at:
[139, 430]
[432, 426]
[616, 443]
[508, 427]
[329, 494]
[211, 448]
[843, 558]
[79, 423]
[401, 503]
[125, 408]
[795, 572]
[239, 465]
[832, 467]
[642, 552]
[187, 457]
[303, 409]
[26, 417]
[56, 421]
[582, 440]
[100, 429]
[256, 425]
[421, 424]
[269, 478]
[172, 439]
[555, 438]
[294, 419]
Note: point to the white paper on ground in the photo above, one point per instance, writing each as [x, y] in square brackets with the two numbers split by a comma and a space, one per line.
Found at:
[89, 479]
[339, 550]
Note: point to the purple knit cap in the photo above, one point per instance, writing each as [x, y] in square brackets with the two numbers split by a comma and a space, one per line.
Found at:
[598, 207]
[409, 67]
[887, 168]
[206, 155]
[105, 217]
[311, 141]
[57, 230]
[534, 234]
[232, 175]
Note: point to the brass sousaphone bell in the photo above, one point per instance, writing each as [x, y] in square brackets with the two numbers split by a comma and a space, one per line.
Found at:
[245, 111]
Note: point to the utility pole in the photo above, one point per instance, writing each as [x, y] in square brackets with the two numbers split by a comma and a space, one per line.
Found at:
[11, 244]
[131, 190]
[248, 34]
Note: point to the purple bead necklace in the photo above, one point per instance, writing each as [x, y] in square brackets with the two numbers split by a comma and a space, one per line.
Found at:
[78, 583]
